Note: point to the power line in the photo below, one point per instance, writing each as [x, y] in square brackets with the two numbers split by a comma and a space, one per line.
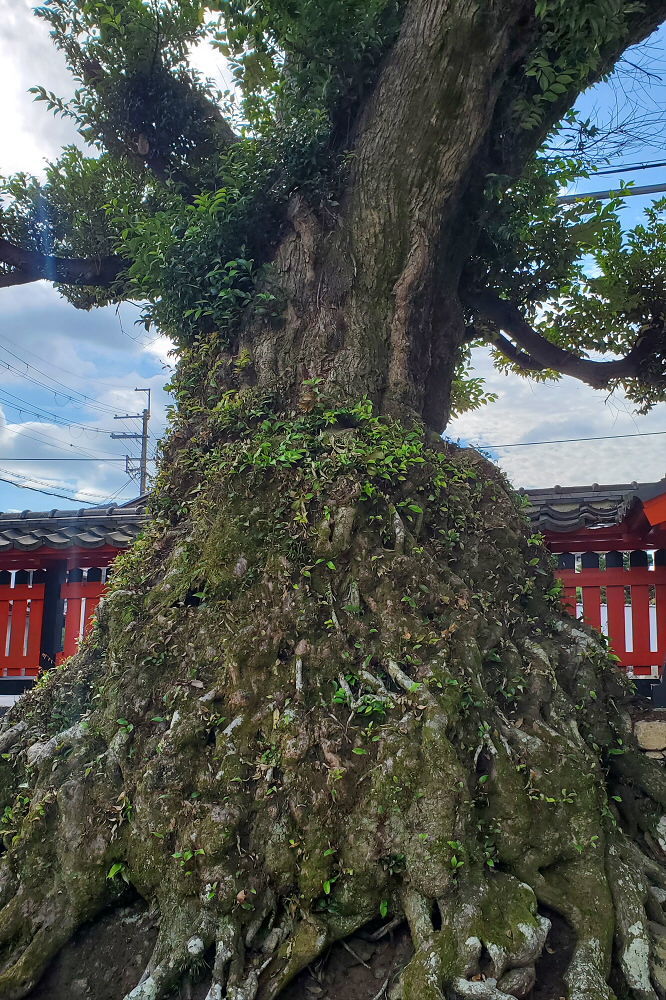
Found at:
[67, 371]
[114, 496]
[49, 493]
[44, 482]
[88, 401]
[629, 192]
[630, 167]
[13, 458]
[603, 437]
[38, 411]
[29, 479]
[41, 438]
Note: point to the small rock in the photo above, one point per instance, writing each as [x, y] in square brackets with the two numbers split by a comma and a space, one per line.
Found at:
[651, 735]
[364, 949]
[195, 946]
[518, 982]
[655, 754]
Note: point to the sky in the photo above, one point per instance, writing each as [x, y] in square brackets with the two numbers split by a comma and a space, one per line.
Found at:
[66, 373]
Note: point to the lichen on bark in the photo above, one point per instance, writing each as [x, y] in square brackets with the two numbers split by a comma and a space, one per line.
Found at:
[332, 689]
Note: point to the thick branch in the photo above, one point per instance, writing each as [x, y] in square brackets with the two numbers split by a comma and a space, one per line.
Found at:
[15, 277]
[29, 265]
[512, 143]
[541, 353]
[524, 361]
[138, 147]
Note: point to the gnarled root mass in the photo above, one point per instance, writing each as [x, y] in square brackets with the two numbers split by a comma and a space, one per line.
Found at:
[333, 692]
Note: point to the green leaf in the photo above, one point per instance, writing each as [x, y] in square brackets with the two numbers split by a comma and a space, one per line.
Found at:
[383, 908]
[115, 869]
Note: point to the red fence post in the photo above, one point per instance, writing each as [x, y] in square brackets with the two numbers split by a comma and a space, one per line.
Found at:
[82, 597]
[615, 600]
[591, 591]
[21, 609]
[640, 611]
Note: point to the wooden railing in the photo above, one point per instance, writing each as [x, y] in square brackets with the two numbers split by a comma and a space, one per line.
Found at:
[624, 596]
[81, 599]
[22, 605]
[21, 612]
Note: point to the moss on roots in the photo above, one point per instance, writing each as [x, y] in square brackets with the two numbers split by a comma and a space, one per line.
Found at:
[331, 687]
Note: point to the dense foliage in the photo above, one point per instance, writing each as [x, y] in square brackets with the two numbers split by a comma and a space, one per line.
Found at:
[196, 209]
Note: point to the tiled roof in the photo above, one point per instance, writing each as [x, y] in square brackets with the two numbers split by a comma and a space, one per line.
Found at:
[571, 507]
[90, 528]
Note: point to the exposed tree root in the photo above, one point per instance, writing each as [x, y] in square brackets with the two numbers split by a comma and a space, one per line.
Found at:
[327, 746]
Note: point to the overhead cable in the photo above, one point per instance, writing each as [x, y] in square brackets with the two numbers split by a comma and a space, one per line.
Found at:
[603, 437]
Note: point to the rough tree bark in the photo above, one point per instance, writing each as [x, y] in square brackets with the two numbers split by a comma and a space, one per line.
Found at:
[332, 691]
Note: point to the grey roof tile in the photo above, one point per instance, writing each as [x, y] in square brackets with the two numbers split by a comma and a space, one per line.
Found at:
[91, 528]
[562, 509]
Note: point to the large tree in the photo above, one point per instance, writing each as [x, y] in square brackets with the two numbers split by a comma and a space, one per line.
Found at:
[332, 691]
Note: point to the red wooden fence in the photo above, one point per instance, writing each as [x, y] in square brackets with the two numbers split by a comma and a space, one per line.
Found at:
[81, 600]
[22, 613]
[21, 609]
[623, 595]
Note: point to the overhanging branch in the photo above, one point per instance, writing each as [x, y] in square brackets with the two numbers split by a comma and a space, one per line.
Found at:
[535, 353]
[30, 265]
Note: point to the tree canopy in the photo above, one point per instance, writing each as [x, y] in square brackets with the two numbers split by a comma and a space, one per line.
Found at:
[182, 195]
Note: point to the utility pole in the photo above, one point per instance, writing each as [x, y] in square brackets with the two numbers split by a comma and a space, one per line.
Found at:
[130, 468]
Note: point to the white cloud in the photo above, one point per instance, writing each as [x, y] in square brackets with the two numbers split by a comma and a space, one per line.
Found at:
[161, 348]
[27, 59]
[527, 411]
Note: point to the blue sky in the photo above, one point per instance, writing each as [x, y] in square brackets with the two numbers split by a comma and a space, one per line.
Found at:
[64, 373]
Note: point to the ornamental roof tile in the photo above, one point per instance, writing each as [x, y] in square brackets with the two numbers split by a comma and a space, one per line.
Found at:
[568, 508]
[89, 528]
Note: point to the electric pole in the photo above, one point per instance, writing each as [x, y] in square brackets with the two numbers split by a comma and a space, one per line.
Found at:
[130, 467]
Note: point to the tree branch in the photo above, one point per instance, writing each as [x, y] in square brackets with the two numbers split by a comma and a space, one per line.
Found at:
[538, 353]
[15, 277]
[30, 265]
[137, 146]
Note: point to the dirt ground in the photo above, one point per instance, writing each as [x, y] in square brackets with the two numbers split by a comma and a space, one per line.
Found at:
[105, 960]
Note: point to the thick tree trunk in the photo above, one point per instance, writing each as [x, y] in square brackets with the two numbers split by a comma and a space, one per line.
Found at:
[372, 290]
[332, 694]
